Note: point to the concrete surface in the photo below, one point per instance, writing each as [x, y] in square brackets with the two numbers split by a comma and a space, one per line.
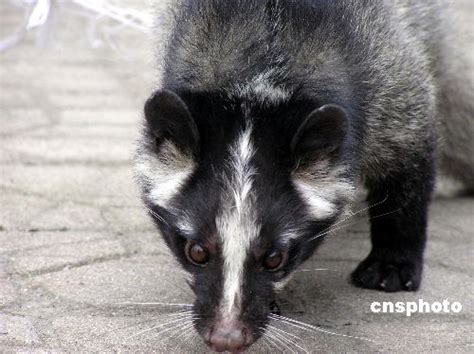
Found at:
[76, 245]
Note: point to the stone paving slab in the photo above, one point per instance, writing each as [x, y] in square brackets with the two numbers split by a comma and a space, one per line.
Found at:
[76, 247]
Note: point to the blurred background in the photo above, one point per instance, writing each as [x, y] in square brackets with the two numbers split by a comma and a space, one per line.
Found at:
[81, 266]
[74, 75]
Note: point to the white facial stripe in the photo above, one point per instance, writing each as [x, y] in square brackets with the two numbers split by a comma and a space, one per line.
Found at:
[322, 189]
[165, 172]
[237, 224]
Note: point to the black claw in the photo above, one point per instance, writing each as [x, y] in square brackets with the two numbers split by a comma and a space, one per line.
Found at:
[374, 273]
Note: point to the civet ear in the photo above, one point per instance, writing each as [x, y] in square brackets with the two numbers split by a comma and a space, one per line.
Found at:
[168, 117]
[322, 132]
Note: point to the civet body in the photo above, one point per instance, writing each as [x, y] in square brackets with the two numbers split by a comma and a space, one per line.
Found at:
[269, 115]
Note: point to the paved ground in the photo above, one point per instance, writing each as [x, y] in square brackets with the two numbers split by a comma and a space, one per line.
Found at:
[75, 243]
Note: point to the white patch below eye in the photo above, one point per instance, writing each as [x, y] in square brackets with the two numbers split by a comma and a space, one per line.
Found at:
[237, 224]
[164, 173]
[321, 207]
[322, 189]
[280, 285]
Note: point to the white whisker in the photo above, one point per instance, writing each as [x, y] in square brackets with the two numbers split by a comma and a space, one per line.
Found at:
[271, 343]
[279, 338]
[308, 327]
[317, 270]
[156, 215]
[155, 303]
[286, 335]
[176, 329]
[194, 336]
[288, 340]
[171, 315]
[180, 313]
[179, 330]
[332, 229]
[185, 333]
[181, 318]
[265, 343]
[361, 211]
[186, 322]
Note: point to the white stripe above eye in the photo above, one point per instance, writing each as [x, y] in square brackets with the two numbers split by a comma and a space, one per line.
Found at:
[237, 223]
[184, 225]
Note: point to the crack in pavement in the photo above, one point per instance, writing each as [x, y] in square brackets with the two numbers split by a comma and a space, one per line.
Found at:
[27, 161]
[55, 244]
[79, 264]
[25, 193]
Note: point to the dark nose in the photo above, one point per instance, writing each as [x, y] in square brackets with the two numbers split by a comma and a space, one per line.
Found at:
[232, 336]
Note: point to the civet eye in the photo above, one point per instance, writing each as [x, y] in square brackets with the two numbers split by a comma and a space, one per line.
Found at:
[196, 253]
[273, 261]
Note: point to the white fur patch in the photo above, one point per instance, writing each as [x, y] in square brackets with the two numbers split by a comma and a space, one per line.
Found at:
[321, 187]
[289, 234]
[237, 224]
[165, 173]
[185, 225]
[261, 89]
[280, 285]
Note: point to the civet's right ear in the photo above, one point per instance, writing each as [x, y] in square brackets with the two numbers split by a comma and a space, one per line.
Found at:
[168, 117]
[322, 133]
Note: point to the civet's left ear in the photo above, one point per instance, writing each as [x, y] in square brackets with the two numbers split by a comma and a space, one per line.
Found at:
[168, 117]
[322, 132]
